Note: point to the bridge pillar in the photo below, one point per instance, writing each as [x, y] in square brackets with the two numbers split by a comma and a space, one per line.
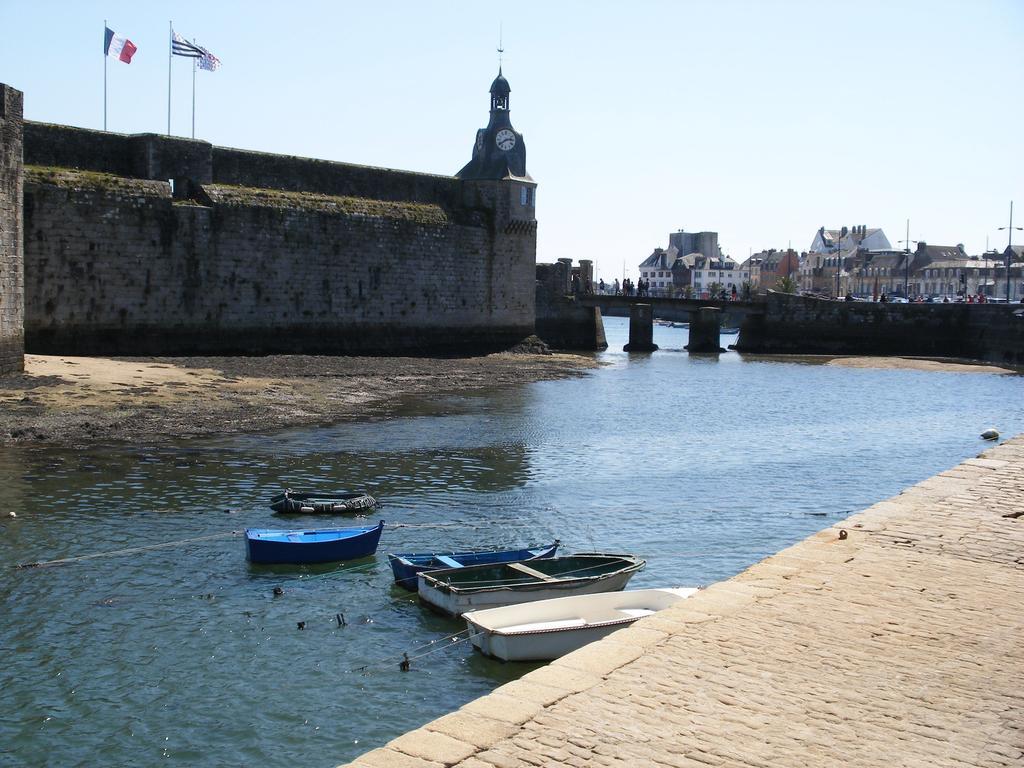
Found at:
[641, 329]
[705, 325]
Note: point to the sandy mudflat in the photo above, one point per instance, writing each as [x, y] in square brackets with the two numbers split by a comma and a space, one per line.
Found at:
[916, 364]
[77, 401]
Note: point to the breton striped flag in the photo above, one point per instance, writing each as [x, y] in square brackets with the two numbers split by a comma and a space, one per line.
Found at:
[182, 47]
[117, 47]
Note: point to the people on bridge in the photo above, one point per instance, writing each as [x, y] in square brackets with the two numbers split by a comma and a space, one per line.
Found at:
[600, 286]
[615, 286]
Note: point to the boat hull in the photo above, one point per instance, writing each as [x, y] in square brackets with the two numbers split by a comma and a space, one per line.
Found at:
[542, 631]
[299, 547]
[437, 590]
[299, 503]
[406, 567]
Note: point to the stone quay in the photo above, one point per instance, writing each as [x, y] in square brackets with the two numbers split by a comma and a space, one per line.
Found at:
[893, 637]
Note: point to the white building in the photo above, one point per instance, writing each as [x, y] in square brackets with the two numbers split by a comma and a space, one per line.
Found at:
[846, 239]
[718, 274]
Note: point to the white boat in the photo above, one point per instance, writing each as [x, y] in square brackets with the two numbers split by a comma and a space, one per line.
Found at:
[545, 630]
[456, 590]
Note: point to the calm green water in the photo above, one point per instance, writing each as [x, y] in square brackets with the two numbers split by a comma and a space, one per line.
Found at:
[184, 656]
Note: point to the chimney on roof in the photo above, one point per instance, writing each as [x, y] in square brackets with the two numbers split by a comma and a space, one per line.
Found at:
[843, 232]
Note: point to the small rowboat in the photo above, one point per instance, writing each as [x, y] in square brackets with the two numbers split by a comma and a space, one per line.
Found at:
[454, 591]
[301, 502]
[324, 545]
[547, 629]
[406, 566]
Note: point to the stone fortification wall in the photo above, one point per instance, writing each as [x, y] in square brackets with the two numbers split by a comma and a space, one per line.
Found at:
[301, 174]
[804, 325]
[120, 267]
[11, 254]
[140, 156]
[561, 322]
[253, 253]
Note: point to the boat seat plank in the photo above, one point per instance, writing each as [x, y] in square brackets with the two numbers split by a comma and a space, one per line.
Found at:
[543, 626]
[445, 560]
[531, 572]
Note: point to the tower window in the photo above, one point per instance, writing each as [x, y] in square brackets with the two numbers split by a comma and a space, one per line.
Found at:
[522, 196]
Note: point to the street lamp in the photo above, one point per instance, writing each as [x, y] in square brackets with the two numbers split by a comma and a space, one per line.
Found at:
[839, 259]
[1009, 250]
[906, 265]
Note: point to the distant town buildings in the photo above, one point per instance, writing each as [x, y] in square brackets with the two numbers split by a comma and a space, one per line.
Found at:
[858, 261]
[693, 264]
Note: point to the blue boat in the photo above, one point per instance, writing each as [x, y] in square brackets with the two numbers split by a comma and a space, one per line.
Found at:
[406, 566]
[320, 545]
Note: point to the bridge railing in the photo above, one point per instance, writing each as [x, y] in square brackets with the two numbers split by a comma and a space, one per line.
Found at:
[662, 293]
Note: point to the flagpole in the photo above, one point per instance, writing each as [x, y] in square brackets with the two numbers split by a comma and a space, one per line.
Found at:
[170, 40]
[194, 61]
[105, 57]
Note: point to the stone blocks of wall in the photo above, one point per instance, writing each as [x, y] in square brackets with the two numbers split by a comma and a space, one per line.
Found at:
[561, 322]
[139, 156]
[244, 168]
[117, 266]
[12, 346]
[805, 325]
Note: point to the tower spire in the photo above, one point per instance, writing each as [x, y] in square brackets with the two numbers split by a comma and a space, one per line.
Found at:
[501, 48]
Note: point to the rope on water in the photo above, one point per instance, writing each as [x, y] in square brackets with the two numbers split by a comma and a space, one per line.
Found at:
[127, 551]
[406, 658]
[337, 572]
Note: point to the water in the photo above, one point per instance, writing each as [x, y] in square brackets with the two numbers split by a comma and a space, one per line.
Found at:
[703, 465]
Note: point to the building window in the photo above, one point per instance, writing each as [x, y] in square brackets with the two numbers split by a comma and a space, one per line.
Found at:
[522, 196]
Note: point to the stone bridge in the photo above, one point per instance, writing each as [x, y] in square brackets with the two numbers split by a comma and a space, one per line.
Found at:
[704, 315]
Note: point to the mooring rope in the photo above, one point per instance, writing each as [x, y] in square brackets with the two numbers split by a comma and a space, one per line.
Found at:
[406, 658]
[127, 551]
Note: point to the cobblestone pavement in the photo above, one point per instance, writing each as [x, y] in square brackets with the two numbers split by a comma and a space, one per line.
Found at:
[899, 645]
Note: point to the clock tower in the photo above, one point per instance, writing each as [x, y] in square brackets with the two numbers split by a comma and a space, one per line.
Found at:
[499, 151]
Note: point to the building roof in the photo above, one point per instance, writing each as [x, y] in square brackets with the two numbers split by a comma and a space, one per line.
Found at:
[1016, 250]
[851, 240]
[941, 252]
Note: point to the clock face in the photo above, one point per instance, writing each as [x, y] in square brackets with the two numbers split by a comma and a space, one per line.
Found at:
[505, 139]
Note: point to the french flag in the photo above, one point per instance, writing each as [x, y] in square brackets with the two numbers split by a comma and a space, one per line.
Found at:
[117, 47]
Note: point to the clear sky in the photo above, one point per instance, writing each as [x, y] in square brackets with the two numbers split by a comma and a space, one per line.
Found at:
[759, 120]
